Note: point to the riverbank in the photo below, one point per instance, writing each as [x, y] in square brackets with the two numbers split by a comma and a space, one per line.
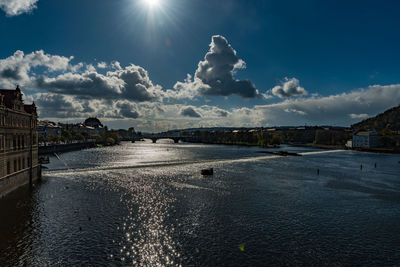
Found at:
[58, 148]
[318, 146]
[373, 150]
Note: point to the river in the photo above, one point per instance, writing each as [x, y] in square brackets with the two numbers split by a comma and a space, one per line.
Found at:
[147, 204]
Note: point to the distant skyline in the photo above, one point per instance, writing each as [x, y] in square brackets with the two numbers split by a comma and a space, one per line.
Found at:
[164, 64]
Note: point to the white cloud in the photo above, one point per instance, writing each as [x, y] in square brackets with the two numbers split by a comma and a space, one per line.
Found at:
[292, 110]
[341, 109]
[334, 109]
[126, 93]
[215, 74]
[290, 87]
[189, 88]
[56, 74]
[358, 116]
[267, 95]
[102, 65]
[116, 65]
[61, 106]
[17, 68]
[17, 7]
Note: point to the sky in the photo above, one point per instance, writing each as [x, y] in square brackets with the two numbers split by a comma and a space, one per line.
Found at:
[171, 64]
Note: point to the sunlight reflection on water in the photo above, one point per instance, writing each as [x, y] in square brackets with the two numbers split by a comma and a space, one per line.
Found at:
[254, 210]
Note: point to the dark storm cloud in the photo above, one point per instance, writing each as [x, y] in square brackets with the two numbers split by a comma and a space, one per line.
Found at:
[190, 112]
[87, 84]
[132, 83]
[60, 106]
[221, 113]
[11, 73]
[128, 110]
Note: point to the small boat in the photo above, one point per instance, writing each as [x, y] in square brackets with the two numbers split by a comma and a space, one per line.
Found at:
[209, 171]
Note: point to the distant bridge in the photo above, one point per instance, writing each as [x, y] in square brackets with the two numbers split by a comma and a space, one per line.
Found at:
[154, 137]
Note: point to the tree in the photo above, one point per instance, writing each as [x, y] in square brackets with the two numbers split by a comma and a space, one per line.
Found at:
[276, 140]
[386, 132]
[42, 138]
[78, 136]
[110, 141]
[114, 135]
[98, 138]
[66, 134]
[53, 138]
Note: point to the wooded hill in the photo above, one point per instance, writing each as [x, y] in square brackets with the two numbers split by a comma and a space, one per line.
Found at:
[388, 120]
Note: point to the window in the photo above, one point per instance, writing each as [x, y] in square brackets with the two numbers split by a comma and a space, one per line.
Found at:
[8, 167]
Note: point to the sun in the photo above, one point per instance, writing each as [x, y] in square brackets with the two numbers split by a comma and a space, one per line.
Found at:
[152, 3]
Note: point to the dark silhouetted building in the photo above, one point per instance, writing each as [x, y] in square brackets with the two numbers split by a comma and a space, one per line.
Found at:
[18, 141]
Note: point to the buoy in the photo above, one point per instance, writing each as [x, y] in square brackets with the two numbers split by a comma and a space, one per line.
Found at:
[361, 167]
[80, 228]
[318, 171]
[375, 164]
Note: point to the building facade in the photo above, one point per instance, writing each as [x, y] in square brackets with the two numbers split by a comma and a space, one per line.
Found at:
[366, 139]
[18, 141]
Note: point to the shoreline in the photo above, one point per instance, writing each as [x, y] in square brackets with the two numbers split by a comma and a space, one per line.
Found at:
[59, 148]
[372, 150]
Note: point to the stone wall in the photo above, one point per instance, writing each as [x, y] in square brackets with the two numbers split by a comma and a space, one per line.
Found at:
[18, 179]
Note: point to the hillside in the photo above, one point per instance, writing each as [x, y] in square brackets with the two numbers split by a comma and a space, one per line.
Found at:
[390, 119]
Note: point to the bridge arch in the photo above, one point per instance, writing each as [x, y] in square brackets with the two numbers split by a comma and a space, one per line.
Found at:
[175, 139]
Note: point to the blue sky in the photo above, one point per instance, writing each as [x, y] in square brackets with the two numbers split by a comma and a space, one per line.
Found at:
[282, 62]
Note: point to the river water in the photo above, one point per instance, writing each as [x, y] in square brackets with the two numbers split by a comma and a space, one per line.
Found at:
[147, 204]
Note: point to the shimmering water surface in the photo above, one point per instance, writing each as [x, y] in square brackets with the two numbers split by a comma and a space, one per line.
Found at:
[147, 204]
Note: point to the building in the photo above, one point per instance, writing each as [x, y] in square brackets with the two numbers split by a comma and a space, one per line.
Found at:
[48, 128]
[366, 139]
[18, 141]
[95, 124]
[84, 130]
